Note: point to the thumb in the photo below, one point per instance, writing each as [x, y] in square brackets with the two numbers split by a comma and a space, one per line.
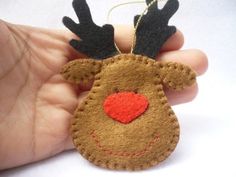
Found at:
[69, 142]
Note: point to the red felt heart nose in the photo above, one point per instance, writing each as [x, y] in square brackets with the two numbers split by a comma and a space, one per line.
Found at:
[125, 106]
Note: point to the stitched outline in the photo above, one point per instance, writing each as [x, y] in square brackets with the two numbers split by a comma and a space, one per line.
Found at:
[175, 137]
[182, 69]
[139, 153]
[65, 72]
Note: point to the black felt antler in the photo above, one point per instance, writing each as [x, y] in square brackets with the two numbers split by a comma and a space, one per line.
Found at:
[95, 41]
[153, 30]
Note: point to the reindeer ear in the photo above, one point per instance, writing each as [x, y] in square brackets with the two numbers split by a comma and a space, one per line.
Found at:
[81, 70]
[176, 76]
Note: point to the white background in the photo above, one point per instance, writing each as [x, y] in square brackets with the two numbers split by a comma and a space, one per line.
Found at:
[208, 124]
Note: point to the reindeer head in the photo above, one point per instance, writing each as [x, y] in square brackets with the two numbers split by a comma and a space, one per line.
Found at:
[125, 122]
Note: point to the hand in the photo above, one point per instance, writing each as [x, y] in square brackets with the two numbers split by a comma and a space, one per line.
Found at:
[37, 104]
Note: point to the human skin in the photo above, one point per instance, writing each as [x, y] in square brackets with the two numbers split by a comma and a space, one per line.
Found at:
[37, 105]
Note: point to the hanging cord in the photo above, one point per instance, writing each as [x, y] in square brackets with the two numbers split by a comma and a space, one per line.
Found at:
[122, 4]
[116, 6]
[138, 22]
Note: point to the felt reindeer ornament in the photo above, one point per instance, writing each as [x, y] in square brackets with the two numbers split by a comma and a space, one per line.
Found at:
[125, 122]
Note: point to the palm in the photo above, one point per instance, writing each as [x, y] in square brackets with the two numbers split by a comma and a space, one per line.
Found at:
[36, 105]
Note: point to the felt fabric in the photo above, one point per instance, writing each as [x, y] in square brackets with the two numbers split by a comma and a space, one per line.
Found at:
[125, 106]
[125, 122]
[80, 71]
[153, 30]
[95, 41]
[147, 140]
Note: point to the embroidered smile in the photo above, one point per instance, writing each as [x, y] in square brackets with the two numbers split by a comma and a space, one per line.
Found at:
[133, 154]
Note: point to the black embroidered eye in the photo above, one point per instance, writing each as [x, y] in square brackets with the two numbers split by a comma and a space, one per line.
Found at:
[136, 90]
[115, 89]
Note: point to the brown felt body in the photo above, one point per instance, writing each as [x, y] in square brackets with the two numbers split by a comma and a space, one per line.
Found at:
[147, 140]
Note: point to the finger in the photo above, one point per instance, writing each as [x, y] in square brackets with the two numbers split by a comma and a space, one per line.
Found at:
[180, 97]
[68, 143]
[196, 59]
[175, 42]
[170, 8]
[82, 11]
[171, 30]
[124, 38]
